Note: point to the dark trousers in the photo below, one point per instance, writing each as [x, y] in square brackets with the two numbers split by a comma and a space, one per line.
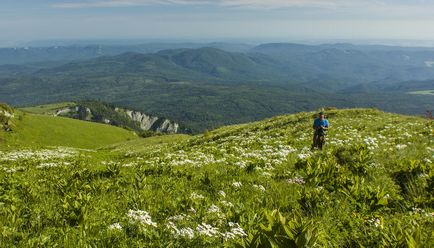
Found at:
[318, 141]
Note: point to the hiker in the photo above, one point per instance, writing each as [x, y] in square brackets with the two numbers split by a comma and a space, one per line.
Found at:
[429, 115]
[320, 125]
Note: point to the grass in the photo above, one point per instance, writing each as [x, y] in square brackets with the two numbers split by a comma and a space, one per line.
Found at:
[144, 144]
[34, 130]
[422, 92]
[47, 108]
[251, 185]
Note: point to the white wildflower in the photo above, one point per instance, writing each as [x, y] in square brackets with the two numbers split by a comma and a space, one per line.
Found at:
[296, 180]
[227, 204]
[47, 165]
[115, 226]
[192, 210]
[237, 184]
[179, 217]
[41, 155]
[213, 209]
[141, 217]
[10, 170]
[303, 155]
[417, 210]
[371, 142]
[241, 164]
[207, 230]
[400, 147]
[236, 231]
[183, 232]
[196, 196]
[260, 187]
[266, 174]
[376, 222]
[186, 233]
[129, 164]
[228, 235]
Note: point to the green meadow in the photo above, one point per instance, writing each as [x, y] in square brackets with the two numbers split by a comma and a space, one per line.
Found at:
[251, 185]
[47, 108]
[34, 130]
[422, 92]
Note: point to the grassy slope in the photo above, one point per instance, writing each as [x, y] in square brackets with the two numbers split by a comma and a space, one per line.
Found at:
[47, 108]
[42, 130]
[422, 92]
[370, 187]
[142, 145]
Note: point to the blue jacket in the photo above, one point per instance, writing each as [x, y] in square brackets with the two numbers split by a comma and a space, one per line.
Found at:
[317, 124]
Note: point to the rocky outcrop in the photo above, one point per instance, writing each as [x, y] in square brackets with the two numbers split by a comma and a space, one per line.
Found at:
[64, 111]
[77, 112]
[6, 116]
[168, 127]
[148, 122]
[120, 117]
[145, 121]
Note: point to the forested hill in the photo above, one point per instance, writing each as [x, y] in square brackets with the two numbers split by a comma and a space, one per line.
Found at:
[38, 53]
[204, 88]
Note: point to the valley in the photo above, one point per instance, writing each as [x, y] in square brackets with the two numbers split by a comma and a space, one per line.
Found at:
[235, 124]
[206, 87]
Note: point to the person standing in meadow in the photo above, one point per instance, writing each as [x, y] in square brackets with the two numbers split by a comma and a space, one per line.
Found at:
[320, 125]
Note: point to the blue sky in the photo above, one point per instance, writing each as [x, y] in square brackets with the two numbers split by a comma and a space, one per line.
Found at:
[273, 20]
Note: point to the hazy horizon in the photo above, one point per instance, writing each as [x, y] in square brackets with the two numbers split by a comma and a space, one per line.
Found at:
[246, 21]
[251, 42]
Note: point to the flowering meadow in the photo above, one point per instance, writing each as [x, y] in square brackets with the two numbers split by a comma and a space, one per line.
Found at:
[252, 185]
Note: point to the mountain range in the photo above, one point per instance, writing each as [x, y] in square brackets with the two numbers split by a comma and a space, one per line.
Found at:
[205, 87]
[69, 52]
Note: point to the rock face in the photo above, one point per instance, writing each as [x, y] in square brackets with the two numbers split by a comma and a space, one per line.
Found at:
[168, 127]
[62, 112]
[121, 117]
[148, 122]
[6, 116]
[77, 112]
[145, 121]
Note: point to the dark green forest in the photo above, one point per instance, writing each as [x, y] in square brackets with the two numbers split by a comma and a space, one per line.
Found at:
[204, 88]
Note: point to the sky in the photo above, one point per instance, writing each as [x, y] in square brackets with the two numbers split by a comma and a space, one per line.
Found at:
[22, 21]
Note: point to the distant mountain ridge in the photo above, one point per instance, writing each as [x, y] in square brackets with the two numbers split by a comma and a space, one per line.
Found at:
[276, 62]
[359, 63]
[206, 87]
[31, 54]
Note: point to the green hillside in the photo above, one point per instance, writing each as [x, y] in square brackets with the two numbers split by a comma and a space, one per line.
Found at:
[32, 130]
[47, 109]
[251, 185]
[143, 145]
[207, 88]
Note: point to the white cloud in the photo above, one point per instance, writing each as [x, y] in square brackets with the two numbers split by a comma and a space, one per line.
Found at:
[125, 3]
[283, 3]
[267, 4]
[353, 9]
[224, 3]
